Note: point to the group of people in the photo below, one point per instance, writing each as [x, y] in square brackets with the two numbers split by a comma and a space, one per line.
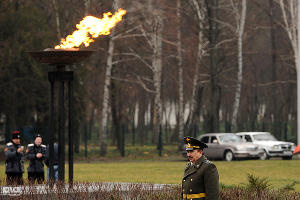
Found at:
[200, 180]
[36, 153]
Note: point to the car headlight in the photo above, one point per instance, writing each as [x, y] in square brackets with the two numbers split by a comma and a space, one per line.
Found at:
[275, 147]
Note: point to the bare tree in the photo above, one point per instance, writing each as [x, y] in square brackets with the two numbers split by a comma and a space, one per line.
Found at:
[57, 19]
[157, 66]
[154, 38]
[290, 14]
[180, 77]
[196, 87]
[212, 117]
[240, 24]
[105, 102]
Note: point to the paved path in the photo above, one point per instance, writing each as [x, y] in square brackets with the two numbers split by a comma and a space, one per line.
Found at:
[88, 187]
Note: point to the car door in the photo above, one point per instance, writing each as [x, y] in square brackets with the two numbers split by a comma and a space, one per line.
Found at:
[216, 151]
[206, 151]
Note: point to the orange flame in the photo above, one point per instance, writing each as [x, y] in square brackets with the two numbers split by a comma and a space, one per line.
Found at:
[91, 27]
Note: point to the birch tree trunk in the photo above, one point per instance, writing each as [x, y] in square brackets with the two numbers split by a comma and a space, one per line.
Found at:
[157, 66]
[105, 103]
[141, 121]
[241, 18]
[180, 77]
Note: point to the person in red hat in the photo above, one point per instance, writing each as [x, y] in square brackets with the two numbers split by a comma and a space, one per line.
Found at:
[36, 154]
[201, 178]
[14, 160]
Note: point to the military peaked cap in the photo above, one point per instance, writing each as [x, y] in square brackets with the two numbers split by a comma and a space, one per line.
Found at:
[193, 143]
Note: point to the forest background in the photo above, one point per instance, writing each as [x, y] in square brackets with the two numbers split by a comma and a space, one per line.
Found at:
[170, 68]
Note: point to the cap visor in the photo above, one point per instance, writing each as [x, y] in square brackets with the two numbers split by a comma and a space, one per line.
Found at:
[189, 149]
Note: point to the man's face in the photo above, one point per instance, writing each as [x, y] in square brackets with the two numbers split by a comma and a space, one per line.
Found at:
[38, 141]
[194, 155]
[16, 141]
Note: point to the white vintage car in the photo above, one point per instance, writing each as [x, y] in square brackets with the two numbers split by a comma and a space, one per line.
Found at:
[272, 147]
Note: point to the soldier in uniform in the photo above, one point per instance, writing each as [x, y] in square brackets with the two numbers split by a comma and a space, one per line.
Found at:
[201, 179]
[36, 153]
[14, 160]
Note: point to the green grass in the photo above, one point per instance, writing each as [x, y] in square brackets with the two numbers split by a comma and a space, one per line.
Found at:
[148, 171]
[138, 152]
[279, 172]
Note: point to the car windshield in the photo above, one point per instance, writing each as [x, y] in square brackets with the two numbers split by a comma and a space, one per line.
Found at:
[228, 138]
[264, 136]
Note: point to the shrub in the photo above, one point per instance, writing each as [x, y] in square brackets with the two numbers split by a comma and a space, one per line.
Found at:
[242, 193]
[121, 191]
[290, 186]
[256, 183]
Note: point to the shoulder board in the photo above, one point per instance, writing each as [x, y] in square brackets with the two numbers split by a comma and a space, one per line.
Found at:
[207, 162]
[30, 145]
[9, 144]
[42, 145]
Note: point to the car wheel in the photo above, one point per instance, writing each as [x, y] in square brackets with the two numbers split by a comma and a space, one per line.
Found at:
[264, 156]
[228, 156]
[287, 158]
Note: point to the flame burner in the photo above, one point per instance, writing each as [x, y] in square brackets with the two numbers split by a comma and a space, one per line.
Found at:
[60, 58]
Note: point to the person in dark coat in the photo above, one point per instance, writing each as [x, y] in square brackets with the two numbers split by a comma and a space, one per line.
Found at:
[14, 160]
[201, 178]
[36, 154]
[55, 162]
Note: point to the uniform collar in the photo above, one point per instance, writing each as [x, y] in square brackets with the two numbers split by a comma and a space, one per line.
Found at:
[194, 166]
[199, 161]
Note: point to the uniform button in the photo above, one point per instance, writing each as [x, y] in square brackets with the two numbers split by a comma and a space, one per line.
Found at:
[184, 180]
[191, 179]
[191, 190]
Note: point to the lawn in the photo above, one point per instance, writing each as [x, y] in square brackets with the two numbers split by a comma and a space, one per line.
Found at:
[278, 172]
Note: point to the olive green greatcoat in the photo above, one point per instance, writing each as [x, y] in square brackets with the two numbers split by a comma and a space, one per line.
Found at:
[201, 177]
